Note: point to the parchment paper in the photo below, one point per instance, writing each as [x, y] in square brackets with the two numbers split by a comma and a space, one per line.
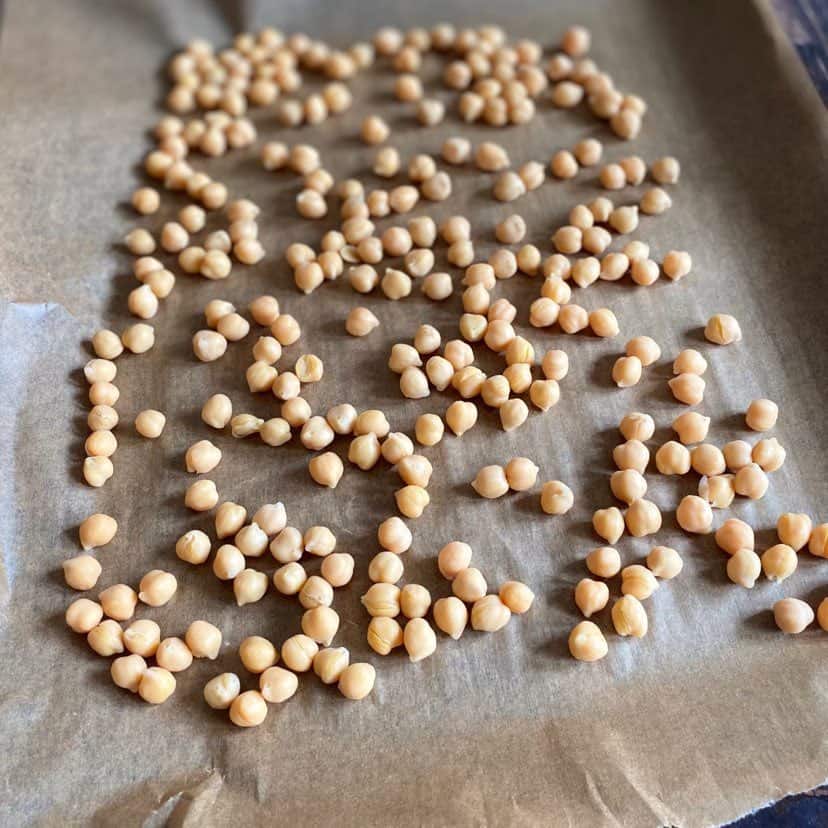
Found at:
[712, 714]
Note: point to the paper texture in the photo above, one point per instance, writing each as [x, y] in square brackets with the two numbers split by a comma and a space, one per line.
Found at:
[711, 715]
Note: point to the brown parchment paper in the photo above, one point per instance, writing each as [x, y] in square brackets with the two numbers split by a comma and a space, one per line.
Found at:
[711, 715]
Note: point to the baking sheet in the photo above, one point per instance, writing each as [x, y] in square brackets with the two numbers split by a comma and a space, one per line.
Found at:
[711, 715]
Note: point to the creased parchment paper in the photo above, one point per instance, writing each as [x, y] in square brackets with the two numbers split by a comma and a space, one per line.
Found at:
[711, 715]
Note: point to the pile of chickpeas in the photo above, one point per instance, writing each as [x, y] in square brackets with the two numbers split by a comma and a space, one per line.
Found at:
[497, 83]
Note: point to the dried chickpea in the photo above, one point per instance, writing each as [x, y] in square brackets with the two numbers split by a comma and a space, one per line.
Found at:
[629, 617]
[769, 454]
[687, 388]
[672, 458]
[201, 496]
[707, 459]
[587, 643]
[412, 500]
[285, 329]
[751, 482]
[156, 685]
[249, 586]
[626, 371]
[779, 562]
[364, 451]
[396, 447]
[691, 427]
[762, 415]
[591, 596]
[338, 569]
[157, 587]
[608, 523]
[193, 547]
[429, 429]
[792, 616]
[491, 482]
[794, 529]
[717, 490]
[694, 515]
[733, 535]
[81, 572]
[415, 470]
[556, 498]
[521, 474]
[643, 518]
[357, 681]
[604, 324]
[744, 567]
[722, 329]
[664, 562]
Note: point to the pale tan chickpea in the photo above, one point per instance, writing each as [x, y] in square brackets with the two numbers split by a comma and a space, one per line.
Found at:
[626, 371]
[566, 94]
[762, 415]
[288, 545]
[591, 596]
[201, 496]
[100, 370]
[81, 572]
[818, 542]
[173, 655]
[419, 639]
[644, 271]
[489, 614]
[608, 523]
[277, 685]
[604, 324]
[586, 642]
[382, 600]
[412, 500]
[396, 447]
[249, 586]
[97, 530]
[208, 346]
[140, 242]
[822, 614]
[330, 663]
[248, 709]
[614, 266]
[563, 165]
[415, 601]
[499, 334]
[628, 485]
[419, 262]
[251, 540]
[635, 169]
[361, 322]
[101, 444]
[342, 418]
[664, 562]
[357, 681]
[460, 254]
[142, 637]
[612, 177]
[82, 615]
[794, 529]
[744, 567]
[654, 202]
[103, 393]
[792, 616]
[295, 412]
[338, 569]
[687, 388]
[733, 535]
[572, 318]
[556, 498]
[521, 474]
[694, 514]
[156, 685]
[228, 562]
[495, 390]
[491, 482]
[118, 602]
[320, 623]
[385, 568]
[567, 239]
[722, 329]
[629, 617]
[672, 458]
[429, 429]
[639, 581]
[107, 345]
[286, 386]
[404, 198]
[415, 470]
[717, 490]
[751, 482]
[707, 459]
[215, 264]
[157, 587]
[106, 639]
[286, 329]
[127, 671]
[365, 451]
[395, 284]
[384, 634]
[691, 427]
[642, 518]
[769, 454]
[632, 454]
[290, 578]
[326, 469]
[779, 562]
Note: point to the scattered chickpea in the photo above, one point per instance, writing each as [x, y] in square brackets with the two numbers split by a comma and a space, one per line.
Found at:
[792, 616]
[156, 685]
[222, 690]
[818, 542]
[751, 482]
[794, 529]
[357, 681]
[722, 329]
[157, 587]
[762, 415]
[82, 572]
[673, 458]
[664, 562]
[521, 474]
[629, 617]
[687, 388]
[694, 515]
[591, 596]
[249, 586]
[248, 709]
[587, 643]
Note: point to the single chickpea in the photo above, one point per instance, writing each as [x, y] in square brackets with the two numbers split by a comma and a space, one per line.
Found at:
[330, 663]
[342, 418]
[608, 524]
[762, 415]
[626, 371]
[201, 496]
[385, 568]
[566, 94]
[690, 361]
[415, 601]
[744, 567]
[81, 572]
[629, 617]
[604, 324]
[587, 643]
[157, 587]
[508, 186]
[664, 562]
[248, 709]
[792, 616]
[83, 615]
[722, 329]
[544, 394]
[779, 562]
[489, 614]
[357, 681]
[733, 535]
[286, 330]
[556, 498]
[794, 529]
[451, 616]
[365, 451]
[396, 447]
[591, 596]
[707, 459]
[818, 542]
[415, 470]
[751, 482]
[156, 685]
[173, 655]
[687, 388]
[694, 515]
[643, 518]
[491, 482]
[717, 490]
[412, 500]
[639, 581]
[222, 690]
[429, 429]
[564, 165]
[521, 474]
[127, 671]
[249, 586]
[672, 458]
[628, 485]
[567, 240]
[419, 639]
[106, 639]
[769, 454]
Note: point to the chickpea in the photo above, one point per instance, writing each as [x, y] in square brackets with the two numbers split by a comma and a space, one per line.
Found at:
[751, 482]
[572, 318]
[342, 418]
[608, 523]
[644, 271]
[707, 459]
[628, 485]
[567, 240]
[329, 664]
[676, 264]
[694, 515]
[643, 518]
[779, 562]
[645, 348]
[298, 653]
[792, 616]
[173, 655]
[338, 569]
[248, 709]
[587, 643]
[591, 596]
[157, 587]
[222, 690]
[516, 596]
[326, 469]
[733, 535]
[665, 170]
[762, 415]
[664, 562]
[687, 388]
[629, 617]
[286, 329]
[722, 329]
[249, 586]
[82, 615]
[604, 323]
[692, 427]
[201, 496]
[818, 542]
[521, 474]
[102, 418]
[822, 614]
[156, 685]
[81, 572]
[469, 585]
[605, 562]
[106, 639]
[419, 639]
[357, 681]
[632, 454]
[794, 529]
[513, 413]
[769, 454]
[489, 614]
[451, 616]
[127, 671]
[118, 602]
